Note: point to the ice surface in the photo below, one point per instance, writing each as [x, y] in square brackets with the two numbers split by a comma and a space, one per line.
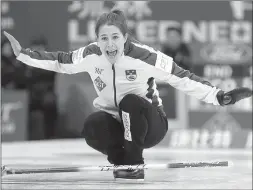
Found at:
[75, 153]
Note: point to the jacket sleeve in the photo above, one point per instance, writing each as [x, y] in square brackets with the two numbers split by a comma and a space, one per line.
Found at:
[61, 62]
[185, 81]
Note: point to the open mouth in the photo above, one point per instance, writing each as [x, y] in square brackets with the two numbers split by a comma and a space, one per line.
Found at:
[112, 54]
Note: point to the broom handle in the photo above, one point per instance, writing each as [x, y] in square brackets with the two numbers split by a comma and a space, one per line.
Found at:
[6, 170]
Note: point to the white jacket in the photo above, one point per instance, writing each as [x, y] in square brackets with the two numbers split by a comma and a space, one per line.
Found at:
[134, 73]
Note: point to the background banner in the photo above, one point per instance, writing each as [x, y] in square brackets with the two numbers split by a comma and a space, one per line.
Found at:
[219, 34]
[14, 115]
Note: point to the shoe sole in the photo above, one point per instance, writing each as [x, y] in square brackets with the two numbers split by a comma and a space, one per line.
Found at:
[128, 180]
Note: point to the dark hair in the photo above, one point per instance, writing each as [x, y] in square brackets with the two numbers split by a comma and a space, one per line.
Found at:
[115, 17]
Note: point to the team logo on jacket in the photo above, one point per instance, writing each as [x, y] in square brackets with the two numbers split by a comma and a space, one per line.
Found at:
[99, 84]
[131, 75]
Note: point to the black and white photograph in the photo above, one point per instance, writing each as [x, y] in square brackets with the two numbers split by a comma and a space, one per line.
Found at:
[126, 94]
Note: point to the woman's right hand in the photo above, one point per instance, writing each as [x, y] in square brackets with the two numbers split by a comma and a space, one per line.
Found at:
[16, 47]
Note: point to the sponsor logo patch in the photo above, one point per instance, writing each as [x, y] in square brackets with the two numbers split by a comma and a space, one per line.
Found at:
[99, 84]
[131, 75]
[126, 122]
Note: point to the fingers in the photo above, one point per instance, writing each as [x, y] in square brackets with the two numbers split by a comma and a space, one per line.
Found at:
[14, 43]
[8, 36]
[5, 33]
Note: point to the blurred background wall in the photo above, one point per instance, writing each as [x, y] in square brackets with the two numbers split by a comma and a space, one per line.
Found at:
[211, 39]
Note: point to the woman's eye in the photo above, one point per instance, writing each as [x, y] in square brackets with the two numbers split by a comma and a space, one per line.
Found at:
[115, 37]
[104, 38]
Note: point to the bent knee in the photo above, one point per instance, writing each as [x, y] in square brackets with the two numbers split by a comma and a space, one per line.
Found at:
[95, 138]
[130, 100]
[87, 131]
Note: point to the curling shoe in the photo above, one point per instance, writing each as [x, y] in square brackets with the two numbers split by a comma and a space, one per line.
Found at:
[129, 174]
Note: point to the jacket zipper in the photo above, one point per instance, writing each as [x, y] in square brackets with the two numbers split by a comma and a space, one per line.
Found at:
[114, 86]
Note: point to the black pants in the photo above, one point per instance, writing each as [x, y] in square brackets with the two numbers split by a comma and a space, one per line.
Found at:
[143, 126]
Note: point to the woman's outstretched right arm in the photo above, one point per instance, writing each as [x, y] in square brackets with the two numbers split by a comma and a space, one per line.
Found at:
[61, 62]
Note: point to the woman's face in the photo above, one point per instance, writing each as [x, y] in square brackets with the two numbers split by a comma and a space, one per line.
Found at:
[111, 42]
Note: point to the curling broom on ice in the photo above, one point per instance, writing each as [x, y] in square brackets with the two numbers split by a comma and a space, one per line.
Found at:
[8, 171]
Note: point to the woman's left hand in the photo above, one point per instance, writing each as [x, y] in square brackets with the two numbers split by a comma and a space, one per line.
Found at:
[234, 95]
